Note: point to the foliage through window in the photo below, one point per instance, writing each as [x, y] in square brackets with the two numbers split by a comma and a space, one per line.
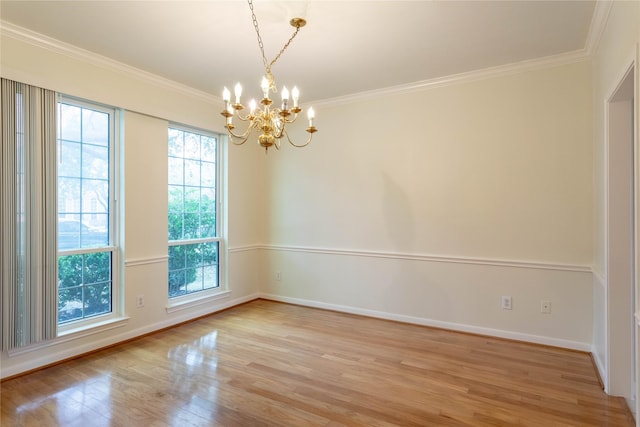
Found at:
[193, 236]
[85, 206]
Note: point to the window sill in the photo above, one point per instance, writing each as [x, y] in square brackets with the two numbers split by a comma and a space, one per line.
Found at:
[190, 301]
[73, 334]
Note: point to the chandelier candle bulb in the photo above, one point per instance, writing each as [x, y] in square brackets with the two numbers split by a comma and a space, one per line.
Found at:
[295, 94]
[311, 114]
[226, 97]
[265, 87]
[238, 92]
[252, 106]
[285, 97]
[230, 115]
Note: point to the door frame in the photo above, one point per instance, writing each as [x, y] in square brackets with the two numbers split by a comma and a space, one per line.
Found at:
[621, 317]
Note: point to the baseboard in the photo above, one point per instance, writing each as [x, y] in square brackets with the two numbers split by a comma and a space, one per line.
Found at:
[54, 356]
[600, 368]
[192, 314]
[498, 333]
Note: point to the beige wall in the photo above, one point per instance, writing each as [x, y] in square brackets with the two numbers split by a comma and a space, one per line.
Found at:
[429, 206]
[149, 106]
[494, 169]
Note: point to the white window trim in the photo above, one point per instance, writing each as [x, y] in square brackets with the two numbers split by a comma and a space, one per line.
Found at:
[78, 327]
[195, 299]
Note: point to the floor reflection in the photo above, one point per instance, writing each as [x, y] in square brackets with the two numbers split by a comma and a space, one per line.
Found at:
[191, 364]
[179, 389]
[87, 402]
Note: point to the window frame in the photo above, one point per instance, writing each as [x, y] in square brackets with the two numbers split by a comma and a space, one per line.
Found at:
[202, 296]
[117, 306]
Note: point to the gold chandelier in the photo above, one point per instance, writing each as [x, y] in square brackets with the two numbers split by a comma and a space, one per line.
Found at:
[271, 121]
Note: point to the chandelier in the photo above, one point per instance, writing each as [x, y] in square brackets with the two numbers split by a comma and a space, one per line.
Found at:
[270, 120]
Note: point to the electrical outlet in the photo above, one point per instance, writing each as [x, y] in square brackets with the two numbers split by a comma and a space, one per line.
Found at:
[545, 306]
[278, 276]
[140, 301]
[506, 302]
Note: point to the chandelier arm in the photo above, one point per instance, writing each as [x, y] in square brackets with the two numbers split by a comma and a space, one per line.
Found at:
[247, 118]
[287, 121]
[241, 137]
[233, 140]
[296, 145]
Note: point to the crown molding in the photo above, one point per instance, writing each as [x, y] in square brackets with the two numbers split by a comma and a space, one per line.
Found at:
[466, 77]
[598, 24]
[24, 35]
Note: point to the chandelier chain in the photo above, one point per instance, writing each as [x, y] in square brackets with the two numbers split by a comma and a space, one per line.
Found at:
[268, 65]
[295, 33]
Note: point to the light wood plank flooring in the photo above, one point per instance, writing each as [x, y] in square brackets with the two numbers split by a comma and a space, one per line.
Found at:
[272, 364]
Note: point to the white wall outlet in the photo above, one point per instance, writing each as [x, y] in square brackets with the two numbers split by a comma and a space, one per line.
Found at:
[278, 276]
[140, 301]
[506, 302]
[545, 306]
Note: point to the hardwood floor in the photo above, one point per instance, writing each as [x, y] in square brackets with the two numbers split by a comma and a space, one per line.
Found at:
[273, 364]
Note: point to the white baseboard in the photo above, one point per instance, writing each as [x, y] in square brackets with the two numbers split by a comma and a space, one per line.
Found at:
[52, 355]
[43, 357]
[632, 406]
[192, 314]
[499, 333]
[600, 366]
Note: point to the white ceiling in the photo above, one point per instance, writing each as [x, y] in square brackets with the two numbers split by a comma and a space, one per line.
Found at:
[347, 47]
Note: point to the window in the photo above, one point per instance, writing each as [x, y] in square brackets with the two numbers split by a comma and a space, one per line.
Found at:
[194, 240]
[86, 199]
